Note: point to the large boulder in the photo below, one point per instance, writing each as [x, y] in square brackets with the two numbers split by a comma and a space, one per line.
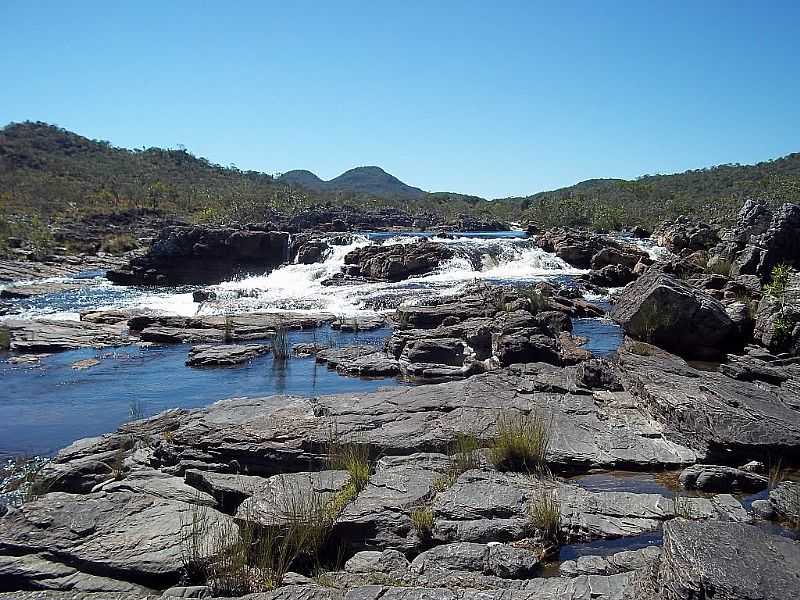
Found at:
[685, 234]
[726, 561]
[200, 255]
[669, 313]
[583, 249]
[396, 262]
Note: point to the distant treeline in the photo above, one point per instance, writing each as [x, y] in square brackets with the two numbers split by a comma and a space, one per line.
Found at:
[49, 173]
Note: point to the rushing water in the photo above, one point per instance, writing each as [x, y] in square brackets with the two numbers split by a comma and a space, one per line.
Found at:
[50, 404]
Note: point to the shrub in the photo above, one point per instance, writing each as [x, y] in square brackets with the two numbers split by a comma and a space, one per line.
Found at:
[521, 443]
[544, 511]
[422, 521]
[779, 281]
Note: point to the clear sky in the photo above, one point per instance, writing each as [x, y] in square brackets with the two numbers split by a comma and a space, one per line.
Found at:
[489, 98]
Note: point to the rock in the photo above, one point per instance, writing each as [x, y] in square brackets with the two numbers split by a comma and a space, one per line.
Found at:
[203, 295]
[621, 562]
[553, 322]
[716, 478]
[86, 363]
[674, 316]
[598, 374]
[39, 289]
[359, 323]
[443, 351]
[193, 591]
[132, 537]
[685, 234]
[224, 355]
[274, 500]
[728, 561]
[785, 499]
[628, 256]
[201, 255]
[380, 515]
[372, 561]
[527, 346]
[229, 490]
[719, 416]
[313, 251]
[396, 262]
[611, 276]
[37, 336]
[501, 560]
[578, 248]
[763, 509]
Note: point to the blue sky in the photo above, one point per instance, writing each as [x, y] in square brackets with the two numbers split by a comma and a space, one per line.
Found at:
[489, 98]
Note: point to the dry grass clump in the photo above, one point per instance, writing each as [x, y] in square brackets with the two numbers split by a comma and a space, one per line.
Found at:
[5, 339]
[544, 511]
[243, 557]
[422, 520]
[462, 457]
[352, 456]
[522, 442]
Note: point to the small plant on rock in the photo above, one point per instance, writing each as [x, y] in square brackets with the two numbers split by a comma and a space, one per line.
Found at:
[522, 442]
[352, 456]
[462, 457]
[5, 339]
[280, 342]
[544, 510]
[423, 521]
[780, 277]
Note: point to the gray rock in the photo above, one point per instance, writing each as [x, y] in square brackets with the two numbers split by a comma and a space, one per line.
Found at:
[281, 495]
[763, 509]
[374, 561]
[727, 560]
[224, 355]
[396, 262]
[785, 499]
[673, 315]
[38, 289]
[45, 335]
[134, 537]
[379, 518]
[621, 562]
[193, 591]
[228, 489]
[716, 478]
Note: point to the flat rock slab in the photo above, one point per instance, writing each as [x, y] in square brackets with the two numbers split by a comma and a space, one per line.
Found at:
[710, 411]
[224, 355]
[44, 335]
[130, 536]
[727, 561]
[38, 289]
[61, 266]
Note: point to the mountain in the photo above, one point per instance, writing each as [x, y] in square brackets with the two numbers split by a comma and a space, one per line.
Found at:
[368, 181]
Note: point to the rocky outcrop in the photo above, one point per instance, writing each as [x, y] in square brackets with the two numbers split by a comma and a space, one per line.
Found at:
[224, 355]
[396, 262]
[201, 255]
[728, 561]
[717, 478]
[761, 239]
[719, 416]
[55, 336]
[583, 249]
[666, 311]
[685, 235]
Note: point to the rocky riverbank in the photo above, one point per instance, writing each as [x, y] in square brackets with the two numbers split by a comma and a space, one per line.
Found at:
[469, 487]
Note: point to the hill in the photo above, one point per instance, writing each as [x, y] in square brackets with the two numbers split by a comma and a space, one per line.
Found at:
[713, 193]
[369, 181]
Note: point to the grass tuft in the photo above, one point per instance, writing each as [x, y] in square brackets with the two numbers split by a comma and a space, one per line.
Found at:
[280, 342]
[522, 443]
[352, 457]
[462, 457]
[5, 339]
[545, 515]
[422, 520]
[641, 348]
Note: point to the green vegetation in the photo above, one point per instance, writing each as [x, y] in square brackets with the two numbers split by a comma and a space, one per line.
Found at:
[50, 174]
[779, 282]
[280, 342]
[522, 442]
[228, 330]
[352, 457]
[462, 457]
[422, 520]
[118, 243]
[641, 348]
[545, 515]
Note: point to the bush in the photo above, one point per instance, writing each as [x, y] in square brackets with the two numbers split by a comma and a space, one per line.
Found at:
[779, 281]
[352, 457]
[521, 443]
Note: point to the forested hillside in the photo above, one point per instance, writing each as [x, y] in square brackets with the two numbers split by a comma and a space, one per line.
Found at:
[49, 174]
